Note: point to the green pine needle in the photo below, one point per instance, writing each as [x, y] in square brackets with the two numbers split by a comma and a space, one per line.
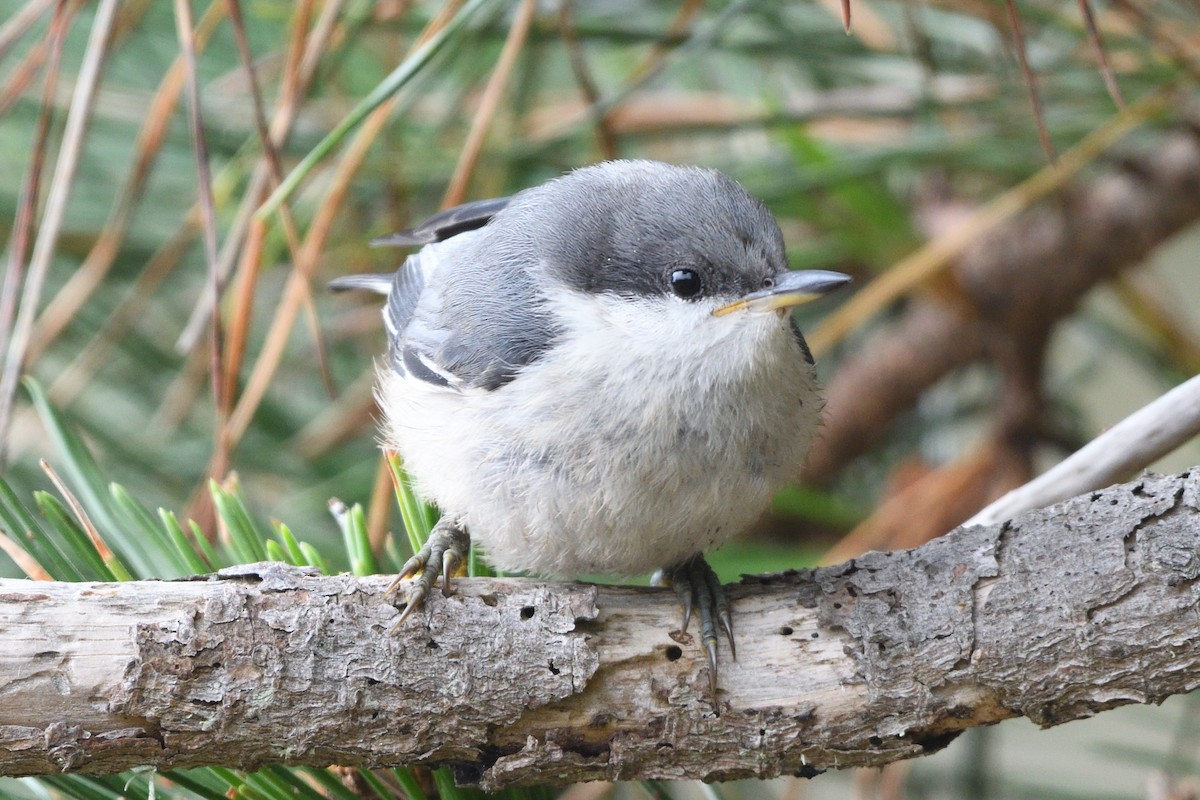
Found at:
[292, 548]
[418, 516]
[86, 479]
[83, 556]
[353, 524]
[183, 547]
[245, 536]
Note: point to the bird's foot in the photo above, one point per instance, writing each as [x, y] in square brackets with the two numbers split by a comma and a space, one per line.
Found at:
[698, 588]
[443, 552]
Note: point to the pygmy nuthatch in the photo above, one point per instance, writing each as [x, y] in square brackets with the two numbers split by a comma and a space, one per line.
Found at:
[599, 375]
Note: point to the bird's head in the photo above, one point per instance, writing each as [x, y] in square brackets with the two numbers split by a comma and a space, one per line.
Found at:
[658, 232]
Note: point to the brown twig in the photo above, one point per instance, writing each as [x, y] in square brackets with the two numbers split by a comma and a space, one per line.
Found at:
[285, 313]
[605, 136]
[55, 212]
[85, 521]
[64, 306]
[75, 377]
[1106, 70]
[27, 202]
[939, 254]
[20, 22]
[379, 509]
[677, 34]
[1031, 84]
[287, 106]
[1181, 50]
[247, 272]
[296, 73]
[23, 75]
[24, 561]
[208, 215]
[456, 191]
[252, 251]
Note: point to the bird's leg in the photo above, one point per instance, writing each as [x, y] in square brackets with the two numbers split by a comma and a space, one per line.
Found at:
[697, 587]
[443, 552]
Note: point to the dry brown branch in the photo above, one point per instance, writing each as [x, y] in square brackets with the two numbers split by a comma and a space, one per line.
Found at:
[1057, 615]
[19, 22]
[489, 103]
[296, 81]
[661, 112]
[27, 204]
[185, 29]
[296, 291]
[1102, 62]
[1030, 78]
[69, 153]
[590, 94]
[160, 112]
[20, 78]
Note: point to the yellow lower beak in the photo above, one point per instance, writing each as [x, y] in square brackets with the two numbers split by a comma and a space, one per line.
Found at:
[788, 289]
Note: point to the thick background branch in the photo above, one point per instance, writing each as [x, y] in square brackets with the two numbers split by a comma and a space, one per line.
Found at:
[1057, 615]
[1005, 295]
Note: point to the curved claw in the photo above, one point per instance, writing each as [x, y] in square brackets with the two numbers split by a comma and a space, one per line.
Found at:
[698, 587]
[414, 564]
[687, 594]
[410, 568]
[727, 626]
[414, 600]
[721, 607]
[711, 647]
[445, 549]
[450, 562]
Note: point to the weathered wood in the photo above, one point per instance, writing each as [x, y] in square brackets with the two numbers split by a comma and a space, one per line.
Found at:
[1058, 615]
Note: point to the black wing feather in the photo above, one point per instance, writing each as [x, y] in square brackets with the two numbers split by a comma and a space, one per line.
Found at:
[443, 225]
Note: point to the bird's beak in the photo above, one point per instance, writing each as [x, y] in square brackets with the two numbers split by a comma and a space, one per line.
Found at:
[791, 288]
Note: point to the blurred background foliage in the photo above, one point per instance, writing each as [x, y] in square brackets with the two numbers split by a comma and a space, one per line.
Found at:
[132, 162]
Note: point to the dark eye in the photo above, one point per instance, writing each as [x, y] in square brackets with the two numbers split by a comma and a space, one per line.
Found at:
[686, 283]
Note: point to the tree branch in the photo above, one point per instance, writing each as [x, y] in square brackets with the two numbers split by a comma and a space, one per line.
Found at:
[1057, 615]
[1008, 290]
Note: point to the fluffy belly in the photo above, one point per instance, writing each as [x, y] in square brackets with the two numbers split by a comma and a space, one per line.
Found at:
[581, 468]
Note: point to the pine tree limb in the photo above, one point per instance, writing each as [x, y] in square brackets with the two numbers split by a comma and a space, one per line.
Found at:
[1058, 615]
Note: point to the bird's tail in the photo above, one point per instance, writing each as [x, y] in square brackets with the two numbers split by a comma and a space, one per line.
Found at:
[380, 283]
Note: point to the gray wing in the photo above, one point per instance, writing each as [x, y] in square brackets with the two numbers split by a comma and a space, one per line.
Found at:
[461, 317]
[446, 224]
[412, 352]
[461, 313]
[403, 289]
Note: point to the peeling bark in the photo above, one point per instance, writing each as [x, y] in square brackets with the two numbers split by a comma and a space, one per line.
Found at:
[1056, 615]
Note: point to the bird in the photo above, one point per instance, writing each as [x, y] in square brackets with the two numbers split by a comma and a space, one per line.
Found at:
[599, 374]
